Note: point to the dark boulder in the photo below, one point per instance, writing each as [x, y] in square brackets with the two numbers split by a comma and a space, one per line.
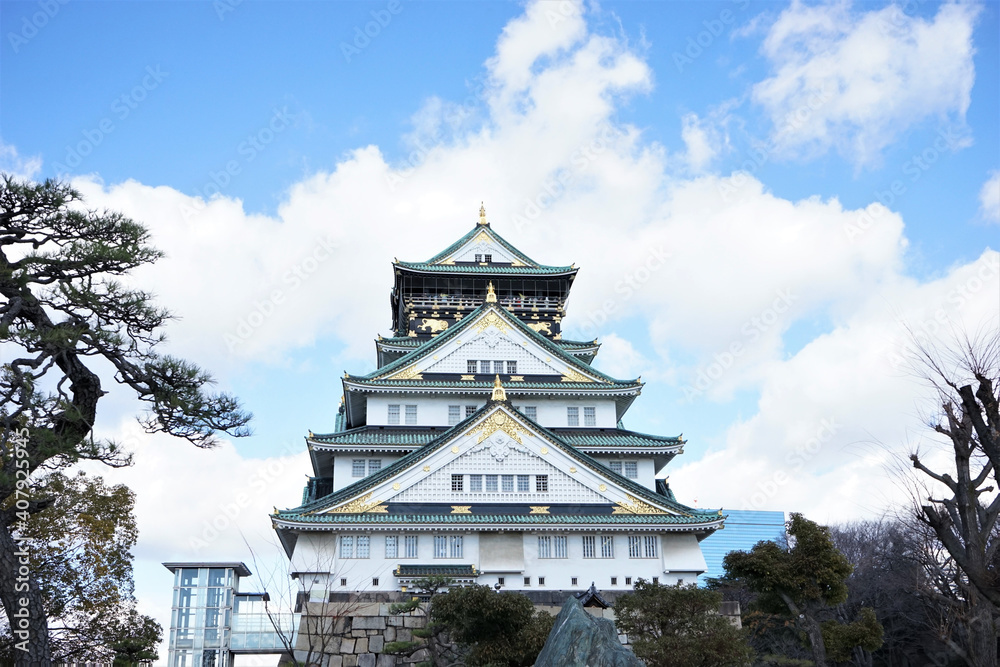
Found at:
[581, 640]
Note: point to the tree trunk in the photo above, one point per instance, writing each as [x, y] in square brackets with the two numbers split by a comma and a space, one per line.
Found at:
[23, 603]
[982, 634]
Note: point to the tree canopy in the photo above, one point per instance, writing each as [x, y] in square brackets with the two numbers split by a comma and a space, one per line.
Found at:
[66, 318]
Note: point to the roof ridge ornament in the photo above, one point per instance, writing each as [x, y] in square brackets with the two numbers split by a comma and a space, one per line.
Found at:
[482, 215]
[498, 391]
[491, 296]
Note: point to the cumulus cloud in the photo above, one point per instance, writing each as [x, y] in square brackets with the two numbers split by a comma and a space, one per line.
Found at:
[857, 81]
[989, 198]
[11, 162]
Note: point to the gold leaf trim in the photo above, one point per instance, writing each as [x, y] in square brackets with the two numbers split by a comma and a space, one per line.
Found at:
[360, 505]
[539, 509]
[635, 506]
[498, 421]
[411, 373]
[572, 375]
[461, 509]
[492, 320]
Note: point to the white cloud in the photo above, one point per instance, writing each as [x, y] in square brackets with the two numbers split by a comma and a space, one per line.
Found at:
[11, 162]
[989, 198]
[856, 82]
[701, 141]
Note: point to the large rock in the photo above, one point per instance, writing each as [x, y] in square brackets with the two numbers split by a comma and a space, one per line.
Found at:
[579, 639]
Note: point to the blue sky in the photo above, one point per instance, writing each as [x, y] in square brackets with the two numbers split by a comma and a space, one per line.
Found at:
[821, 175]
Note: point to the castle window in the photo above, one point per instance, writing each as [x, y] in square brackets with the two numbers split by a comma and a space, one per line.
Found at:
[475, 483]
[572, 581]
[631, 469]
[457, 483]
[440, 546]
[628, 581]
[649, 543]
[347, 546]
[541, 581]
[488, 258]
[614, 581]
[484, 366]
[455, 546]
[607, 546]
[523, 483]
[472, 366]
[410, 546]
[511, 367]
[531, 412]
[470, 410]
[454, 414]
[500, 581]
[343, 581]
[363, 547]
[374, 465]
[552, 546]
[527, 581]
[491, 483]
[391, 546]
[589, 550]
[411, 415]
[541, 483]
[656, 580]
[559, 546]
[498, 367]
[616, 466]
[573, 416]
[589, 417]
[357, 468]
[479, 257]
[393, 414]
[544, 546]
[375, 581]
[507, 483]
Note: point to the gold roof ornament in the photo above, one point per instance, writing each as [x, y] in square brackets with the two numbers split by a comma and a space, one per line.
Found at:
[491, 296]
[498, 391]
[482, 214]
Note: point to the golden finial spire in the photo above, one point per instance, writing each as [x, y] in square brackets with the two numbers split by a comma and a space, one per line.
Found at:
[498, 392]
[482, 214]
[491, 296]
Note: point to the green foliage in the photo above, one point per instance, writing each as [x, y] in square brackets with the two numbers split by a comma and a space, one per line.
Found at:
[679, 626]
[812, 570]
[138, 637]
[491, 628]
[841, 638]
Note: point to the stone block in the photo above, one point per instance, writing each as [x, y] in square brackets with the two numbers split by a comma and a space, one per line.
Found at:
[386, 660]
[347, 645]
[361, 646]
[366, 660]
[350, 661]
[375, 644]
[336, 661]
[395, 621]
[404, 635]
[368, 623]
[359, 633]
[390, 634]
[413, 622]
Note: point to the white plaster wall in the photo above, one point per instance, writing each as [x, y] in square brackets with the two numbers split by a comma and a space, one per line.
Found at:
[680, 559]
[645, 469]
[433, 410]
[343, 467]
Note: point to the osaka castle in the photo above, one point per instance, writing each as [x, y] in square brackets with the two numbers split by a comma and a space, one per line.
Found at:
[486, 448]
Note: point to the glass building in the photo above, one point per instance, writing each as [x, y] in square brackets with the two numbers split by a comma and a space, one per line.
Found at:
[211, 620]
[744, 529]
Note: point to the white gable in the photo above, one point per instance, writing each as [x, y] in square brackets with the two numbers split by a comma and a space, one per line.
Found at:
[482, 244]
[493, 337]
[499, 443]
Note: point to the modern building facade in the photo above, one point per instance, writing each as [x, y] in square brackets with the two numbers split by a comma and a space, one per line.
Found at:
[744, 529]
[211, 620]
[487, 448]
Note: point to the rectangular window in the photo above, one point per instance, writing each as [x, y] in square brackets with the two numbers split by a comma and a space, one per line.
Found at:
[479, 257]
[393, 414]
[588, 547]
[374, 465]
[472, 366]
[572, 581]
[628, 581]
[573, 416]
[656, 580]
[541, 581]
[440, 546]
[357, 467]
[616, 466]
[523, 483]
[531, 412]
[614, 581]
[507, 483]
[527, 581]
[346, 546]
[500, 580]
[631, 469]
[454, 414]
[491, 483]
[544, 546]
[476, 483]
[511, 367]
[498, 367]
[634, 546]
[589, 417]
[485, 366]
[457, 483]
[391, 546]
[363, 547]
[343, 581]
[487, 258]
[455, 546]
[411, 415]
[470, 410]
[559, 546]
[375, 581]
[607, 546]
[542, 483]
[649, 543]
[410, 546]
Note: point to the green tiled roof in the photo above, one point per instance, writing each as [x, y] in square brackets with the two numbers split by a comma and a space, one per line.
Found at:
[411, 341]
[504, 519]
[417, 437]
[417, 455]
[435, 570]
[510, 386]
[499, 239]
[452, 332]
[490, 269]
